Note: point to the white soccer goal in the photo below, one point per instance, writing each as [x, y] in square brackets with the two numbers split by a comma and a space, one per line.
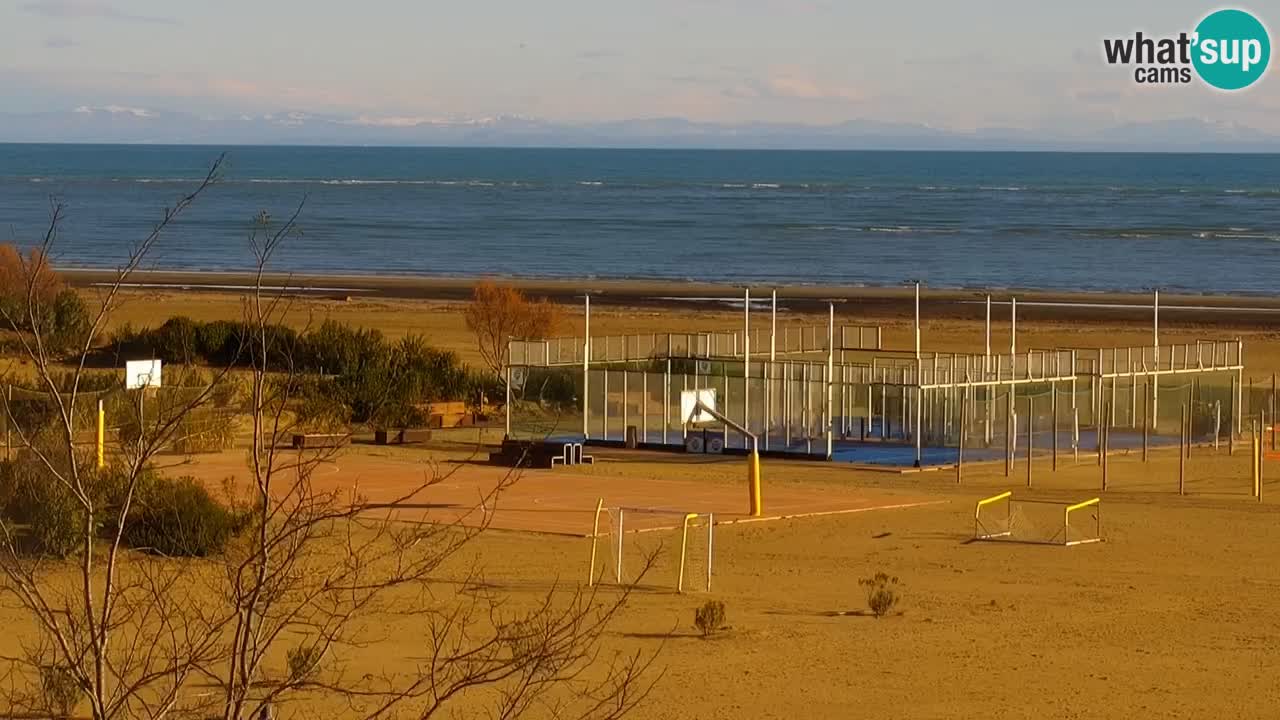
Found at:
[1052, 522]
[678, 547]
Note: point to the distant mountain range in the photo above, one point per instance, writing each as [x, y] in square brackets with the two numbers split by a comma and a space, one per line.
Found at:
[116, 124]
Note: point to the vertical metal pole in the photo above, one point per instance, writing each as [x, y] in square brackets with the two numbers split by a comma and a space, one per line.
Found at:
[1261, 458]
[884, 408]
[604, 397]
[617, 566]
[1255, 459]
[508, 405]
[746, 359]
[626, 397]
[586, 366]
[773, 328]
[1238, 405]
[964, 419]
[1053, 404]
[1155, 322]
[1031, 428]
[1231, 434]
[724, 436]
[917, 323]
[917, 430]
[988, 353]
[666, 400]
[1146, 429]
[1103, 454]
[1008, 432]
[1182, 455]
[866, 428]
[644, 404]
[1217, 423]
[711, 538]
[1191, 405]
[786, 405]
[831, 369]
[1013, 326]
[1075, 435]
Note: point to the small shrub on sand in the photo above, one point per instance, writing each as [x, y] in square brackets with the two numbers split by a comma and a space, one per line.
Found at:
[710, 618]
[59, 691]
[882, 593]
[303, 661]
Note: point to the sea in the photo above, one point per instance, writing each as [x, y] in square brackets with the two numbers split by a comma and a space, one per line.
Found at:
[1196, 223]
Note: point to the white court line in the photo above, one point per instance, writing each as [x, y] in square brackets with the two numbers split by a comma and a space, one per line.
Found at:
[797, 516]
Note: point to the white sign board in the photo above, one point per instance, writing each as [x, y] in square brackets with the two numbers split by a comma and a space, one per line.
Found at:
[141, 374]
[689, 400]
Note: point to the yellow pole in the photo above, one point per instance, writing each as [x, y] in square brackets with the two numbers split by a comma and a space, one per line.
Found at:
[1257, 465]
[753, 481]
[595, 533]
[102, 423]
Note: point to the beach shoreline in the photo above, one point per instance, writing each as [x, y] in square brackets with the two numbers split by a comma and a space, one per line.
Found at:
[1250, 312]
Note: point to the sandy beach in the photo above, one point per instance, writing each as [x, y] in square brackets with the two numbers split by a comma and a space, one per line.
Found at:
[1243, 312]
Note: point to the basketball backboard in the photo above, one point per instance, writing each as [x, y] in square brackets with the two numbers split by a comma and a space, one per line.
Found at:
[689, 402]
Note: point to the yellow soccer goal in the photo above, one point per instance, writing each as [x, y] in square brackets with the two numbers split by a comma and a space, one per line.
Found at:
[1052, 522]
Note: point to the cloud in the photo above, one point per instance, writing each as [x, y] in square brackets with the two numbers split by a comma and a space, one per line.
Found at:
[116, 110]
[792, 84]
[89, 9]
[58, 42]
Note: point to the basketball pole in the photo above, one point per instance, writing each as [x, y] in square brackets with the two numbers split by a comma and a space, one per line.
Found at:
[102, 421]
[755, 503]
[586, 364]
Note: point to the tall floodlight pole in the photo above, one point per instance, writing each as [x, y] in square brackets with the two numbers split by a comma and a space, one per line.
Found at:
[586, 361]
[917, 321]
[1013, 326]
[988, 326]
[831, 369]
[919, 383]
[1155, 351]
[746, 358]
[1155, 321]
[773, 328]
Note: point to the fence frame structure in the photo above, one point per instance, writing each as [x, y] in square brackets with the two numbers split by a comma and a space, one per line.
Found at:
[812, 385]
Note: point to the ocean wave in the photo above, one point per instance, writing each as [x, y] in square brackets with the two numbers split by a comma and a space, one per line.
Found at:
[591, 183]
[765, 186]
[1001, 188]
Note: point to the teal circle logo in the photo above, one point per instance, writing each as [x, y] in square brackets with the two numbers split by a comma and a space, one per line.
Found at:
[1232, 49]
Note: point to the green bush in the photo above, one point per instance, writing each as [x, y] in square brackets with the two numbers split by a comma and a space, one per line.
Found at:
[710, 618]
[66, 323]
[179, 518]
[50, 518]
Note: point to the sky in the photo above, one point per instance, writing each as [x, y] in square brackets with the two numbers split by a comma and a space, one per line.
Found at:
[963, 66]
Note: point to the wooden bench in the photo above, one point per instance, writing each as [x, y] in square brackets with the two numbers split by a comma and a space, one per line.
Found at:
[403, 436]
[314, 441]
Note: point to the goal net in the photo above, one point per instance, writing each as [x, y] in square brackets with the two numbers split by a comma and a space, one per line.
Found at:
[655, 548]
[1052, 522]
